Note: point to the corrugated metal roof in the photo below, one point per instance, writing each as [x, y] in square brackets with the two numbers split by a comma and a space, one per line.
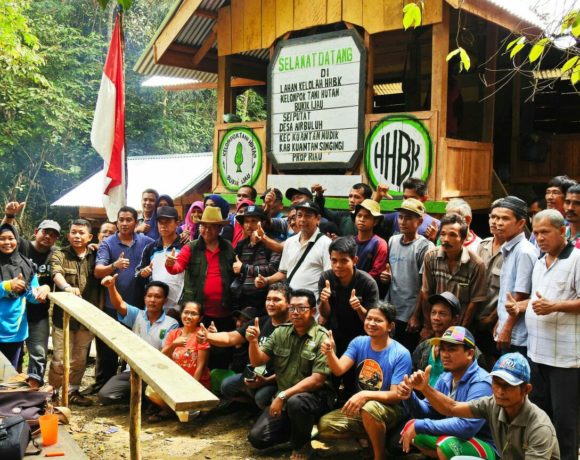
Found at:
[193, 34]
[171, 175]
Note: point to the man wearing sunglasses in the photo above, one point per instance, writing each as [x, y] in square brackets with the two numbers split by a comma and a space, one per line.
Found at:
[305, 392]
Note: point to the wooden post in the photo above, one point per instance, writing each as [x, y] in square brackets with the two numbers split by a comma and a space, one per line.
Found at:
[439, 77]
[65, 357]
[224, 89]
[135, 417]
[370, 90]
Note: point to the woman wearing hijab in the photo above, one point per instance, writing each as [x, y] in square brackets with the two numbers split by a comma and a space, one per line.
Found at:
[18, 284]
[217, 201]
[190, 229]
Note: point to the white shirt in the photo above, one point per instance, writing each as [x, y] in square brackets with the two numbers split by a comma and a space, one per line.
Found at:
[316, 262]
[554, 339]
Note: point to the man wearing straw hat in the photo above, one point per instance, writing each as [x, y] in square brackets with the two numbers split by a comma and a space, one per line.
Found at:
[208, 263]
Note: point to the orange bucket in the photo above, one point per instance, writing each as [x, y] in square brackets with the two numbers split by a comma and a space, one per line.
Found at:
[49, 429]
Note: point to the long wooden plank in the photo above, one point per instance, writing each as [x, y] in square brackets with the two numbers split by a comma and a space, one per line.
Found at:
[284, 17]
[177, 388]
[237, 9]
[205, 47]
[352, 11]
[268, 22]
[333, 11]
[373, 16]
[253, 24]
[309, 13]
[224, 28]
[175, 25]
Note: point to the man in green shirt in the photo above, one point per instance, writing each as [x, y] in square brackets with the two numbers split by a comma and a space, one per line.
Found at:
[302, 373]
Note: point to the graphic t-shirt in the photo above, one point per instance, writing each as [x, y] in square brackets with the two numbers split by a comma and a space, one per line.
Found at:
[240, 358]
[378, 370]
[186, 356]
[36, 311]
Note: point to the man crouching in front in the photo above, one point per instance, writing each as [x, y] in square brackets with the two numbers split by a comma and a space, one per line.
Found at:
[305, 392]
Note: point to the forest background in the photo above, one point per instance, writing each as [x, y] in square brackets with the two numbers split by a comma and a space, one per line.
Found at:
[51, 61]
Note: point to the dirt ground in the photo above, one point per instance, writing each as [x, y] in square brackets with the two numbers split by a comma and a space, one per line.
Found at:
[103, 432]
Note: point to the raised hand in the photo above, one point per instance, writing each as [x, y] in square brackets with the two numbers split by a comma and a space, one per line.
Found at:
[318, 189]
[386, 274]
[180, 341]
[170, 259]
[142, 228]
[542, 306]
[121, 263]
[404, 388]
[41, 293]
[511, 304]
[431, 231]
[212, 328]
[253, 332]
[109, 281]
[381, 192]
[184, 237]
[13, 208]
[237, 267]
[201, 334]
[147, 271]
[326, 292]
[260, 281]
[328, 346]
[18, 284]
[420, 379]
[354, 301]
[269, 198]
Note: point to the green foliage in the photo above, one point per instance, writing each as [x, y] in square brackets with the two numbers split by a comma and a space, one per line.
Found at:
[538, 49]
[412, 15]
[251, 106]
[464, 59]
[126, 4]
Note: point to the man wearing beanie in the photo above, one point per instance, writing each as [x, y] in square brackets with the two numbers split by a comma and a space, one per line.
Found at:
[519, 428]
[519, 255]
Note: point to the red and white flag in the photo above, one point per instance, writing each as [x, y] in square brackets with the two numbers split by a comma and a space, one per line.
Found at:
[108, 131]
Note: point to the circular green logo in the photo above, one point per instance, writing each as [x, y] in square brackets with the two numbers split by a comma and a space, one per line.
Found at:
[397, 148]
[239, 158]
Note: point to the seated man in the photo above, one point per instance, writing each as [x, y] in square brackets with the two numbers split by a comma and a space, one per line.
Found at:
[381, 364]
[152, 325]
[443, 438]
[521, 429]
[294, 351]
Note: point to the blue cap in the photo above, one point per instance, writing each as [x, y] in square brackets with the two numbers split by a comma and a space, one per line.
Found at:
[513, 368]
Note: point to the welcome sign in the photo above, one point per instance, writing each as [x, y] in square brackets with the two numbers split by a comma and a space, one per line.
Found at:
[397, 148]
[315, 94]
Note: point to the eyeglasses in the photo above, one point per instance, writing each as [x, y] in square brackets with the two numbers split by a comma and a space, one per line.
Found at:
[298, 309]
[190, 313]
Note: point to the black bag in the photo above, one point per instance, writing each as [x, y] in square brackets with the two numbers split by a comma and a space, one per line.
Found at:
[14, 437]
[27, 403]
[237, 286]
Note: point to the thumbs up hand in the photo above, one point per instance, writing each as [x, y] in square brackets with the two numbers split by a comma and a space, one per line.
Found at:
[237, 267]
[404, 388]
[212, 328]
[14, 207]
[431, 231]
[511, 304]
[386, 274]
[327, 347]
[420, 379]
[121, 263]
[543, 306]
[355, 301]
[18, 284]
[147, 271]
[261, 281]
[109, 281]
[170, 259]
[326, 292]
[253, 332]
[201, 334]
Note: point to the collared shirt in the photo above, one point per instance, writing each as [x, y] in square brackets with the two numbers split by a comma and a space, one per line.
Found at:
[575, 239]
[153, 333]
[467, 283]
[317, 261]
[519, 257]
[554, 339]
[295, 357]
[530, 435]
[493, 263]
[109, 251]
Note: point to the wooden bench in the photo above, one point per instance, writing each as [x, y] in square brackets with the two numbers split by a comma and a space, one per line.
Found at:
[178, 389]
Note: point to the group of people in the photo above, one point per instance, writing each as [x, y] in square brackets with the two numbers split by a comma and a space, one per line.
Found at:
[400, 329]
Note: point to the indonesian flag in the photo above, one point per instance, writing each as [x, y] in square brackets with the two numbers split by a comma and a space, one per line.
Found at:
[108, 131]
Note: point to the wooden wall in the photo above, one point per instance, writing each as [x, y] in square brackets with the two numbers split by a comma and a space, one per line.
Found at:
[248, 25]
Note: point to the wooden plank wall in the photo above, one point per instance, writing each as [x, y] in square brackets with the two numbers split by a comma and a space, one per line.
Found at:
[247, 25]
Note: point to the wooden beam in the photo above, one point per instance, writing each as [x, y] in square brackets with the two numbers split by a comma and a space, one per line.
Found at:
[369, 90]
[235, 83]
[206, 14]
[439, 77]
[135, 416]
[205, 47]
[174, 27]
[224, 89]
[174, 385]
[65, 358]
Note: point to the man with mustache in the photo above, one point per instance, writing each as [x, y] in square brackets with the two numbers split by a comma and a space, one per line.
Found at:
[572, 215]
[452, 267]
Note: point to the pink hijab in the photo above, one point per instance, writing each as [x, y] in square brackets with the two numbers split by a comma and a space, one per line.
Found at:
[188, 225]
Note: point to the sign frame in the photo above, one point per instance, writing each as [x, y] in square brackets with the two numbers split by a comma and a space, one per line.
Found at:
[397, 118]
[339, 165]
[259, 153]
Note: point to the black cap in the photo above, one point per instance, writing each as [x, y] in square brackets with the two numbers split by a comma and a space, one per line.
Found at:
[248, 312]
[252, 211]
[277, 192]
[301, 190]
[307, 205]
[518, 206]
[167, 212]
[448, 299]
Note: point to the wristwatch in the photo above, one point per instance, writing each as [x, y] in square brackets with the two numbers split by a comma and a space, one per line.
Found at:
[282, 395]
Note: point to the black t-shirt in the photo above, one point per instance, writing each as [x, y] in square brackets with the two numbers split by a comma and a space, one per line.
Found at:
[240, 356]
[344, 321]
[34, 311]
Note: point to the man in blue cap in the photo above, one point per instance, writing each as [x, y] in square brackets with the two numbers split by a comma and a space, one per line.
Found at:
[520, 429]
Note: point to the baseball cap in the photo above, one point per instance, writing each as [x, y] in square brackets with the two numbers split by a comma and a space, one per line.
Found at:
[167, 212]
[457, 335]
[49, 225]
[513, 368]
[301, 190]
[308, 205]
[412, 205]
[252, 211]
[371, 206]
[248, 312]
[448, 299]
[277, 192]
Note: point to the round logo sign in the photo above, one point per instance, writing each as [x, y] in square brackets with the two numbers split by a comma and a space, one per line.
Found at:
[239, 158]
[397, 148]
